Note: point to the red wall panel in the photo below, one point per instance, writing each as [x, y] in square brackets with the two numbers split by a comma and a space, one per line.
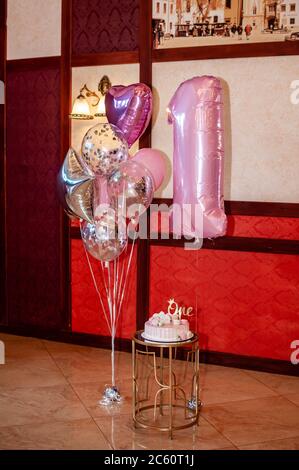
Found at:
[245, 303]
[105, 26]
[263, 227]
[33, 214]
[87, 316]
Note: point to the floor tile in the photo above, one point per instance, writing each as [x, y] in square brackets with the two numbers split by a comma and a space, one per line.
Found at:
[38, 405]
[7, 337]
[76, 435]
[281, 384]
[279, 444]
[57, 348]
[122, 435]
[91, 393]
[49, 391]
[227, 384]
[293, 397]
[91, 366]
[33, 373]
[258, 420]
[24, 351]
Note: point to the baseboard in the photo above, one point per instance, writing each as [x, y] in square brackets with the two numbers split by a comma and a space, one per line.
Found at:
[262, 364]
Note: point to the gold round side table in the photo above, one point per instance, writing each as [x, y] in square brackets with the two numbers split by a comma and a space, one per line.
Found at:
[165, 384]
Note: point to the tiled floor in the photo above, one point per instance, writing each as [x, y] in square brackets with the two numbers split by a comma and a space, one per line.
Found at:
[49, 393]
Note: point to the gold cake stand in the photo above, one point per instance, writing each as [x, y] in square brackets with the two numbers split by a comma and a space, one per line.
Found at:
[165, 384]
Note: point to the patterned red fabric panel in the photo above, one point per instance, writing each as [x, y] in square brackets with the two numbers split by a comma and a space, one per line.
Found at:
[245, 303]
[33, 214]
[87, 315]
[263, 227]
[105, 26]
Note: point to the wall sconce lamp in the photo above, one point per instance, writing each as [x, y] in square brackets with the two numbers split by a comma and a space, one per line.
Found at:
[81, 107]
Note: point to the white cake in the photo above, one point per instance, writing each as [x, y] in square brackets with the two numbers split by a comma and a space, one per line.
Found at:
[165, 327]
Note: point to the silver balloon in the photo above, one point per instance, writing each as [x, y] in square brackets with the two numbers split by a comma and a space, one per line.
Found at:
[131, 186]
[104, 240]
[104, 148]
[80, 200]
[75, 188]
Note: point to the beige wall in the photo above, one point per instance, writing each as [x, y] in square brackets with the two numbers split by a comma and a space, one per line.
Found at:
[262, 156]
[262, 161]
[33, 28]
[118, 74]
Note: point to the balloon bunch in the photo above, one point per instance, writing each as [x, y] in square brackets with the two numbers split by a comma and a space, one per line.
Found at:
[107, 190]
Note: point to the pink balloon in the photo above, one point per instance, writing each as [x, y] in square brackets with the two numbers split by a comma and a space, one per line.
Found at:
[130, 109]
[196, 112]
[154, 161]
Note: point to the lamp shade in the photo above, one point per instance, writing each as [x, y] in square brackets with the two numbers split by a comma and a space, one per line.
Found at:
[81, 109]
[101, 108]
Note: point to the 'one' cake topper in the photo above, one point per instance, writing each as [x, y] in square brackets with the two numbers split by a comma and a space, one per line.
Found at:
[173, 308]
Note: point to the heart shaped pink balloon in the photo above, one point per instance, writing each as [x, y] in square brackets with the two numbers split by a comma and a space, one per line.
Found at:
[130, 109]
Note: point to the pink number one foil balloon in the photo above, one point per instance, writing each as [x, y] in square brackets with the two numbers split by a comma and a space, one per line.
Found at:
[196, 112]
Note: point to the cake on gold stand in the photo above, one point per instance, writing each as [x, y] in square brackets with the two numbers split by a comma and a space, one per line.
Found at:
[165, 383]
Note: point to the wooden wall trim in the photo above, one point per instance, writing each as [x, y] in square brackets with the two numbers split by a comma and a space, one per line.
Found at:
[243, 244]
[105, 58]
[251, 208]
[123, 344]
[22, 65]
[266, 49]
[65, 100]
[3, 313]
[263, 209]
[143, 250]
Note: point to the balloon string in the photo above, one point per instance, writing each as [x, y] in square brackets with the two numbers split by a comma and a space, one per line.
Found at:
[97, 289]
[127, 275]
[122, 273]
[111, 311]
[104, 278]
[114, 324]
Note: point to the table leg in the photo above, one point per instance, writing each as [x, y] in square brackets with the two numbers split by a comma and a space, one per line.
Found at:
[161, 379]
[170, 394]
[197, 385]
[134, 381]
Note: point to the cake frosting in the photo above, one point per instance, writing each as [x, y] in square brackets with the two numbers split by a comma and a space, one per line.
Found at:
[167, 327]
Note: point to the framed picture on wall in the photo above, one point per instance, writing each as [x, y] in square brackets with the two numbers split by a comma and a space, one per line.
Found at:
[235, 27]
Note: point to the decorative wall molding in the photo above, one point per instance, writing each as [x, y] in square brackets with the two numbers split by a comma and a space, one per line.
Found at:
[3, 312]
[32, 64]
[105, 58]
[251, 208]
[65, 129]
[232, 51]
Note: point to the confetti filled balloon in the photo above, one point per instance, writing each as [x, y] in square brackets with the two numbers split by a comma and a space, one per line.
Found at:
[104, 148]
[132, 184]
[104, 240]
